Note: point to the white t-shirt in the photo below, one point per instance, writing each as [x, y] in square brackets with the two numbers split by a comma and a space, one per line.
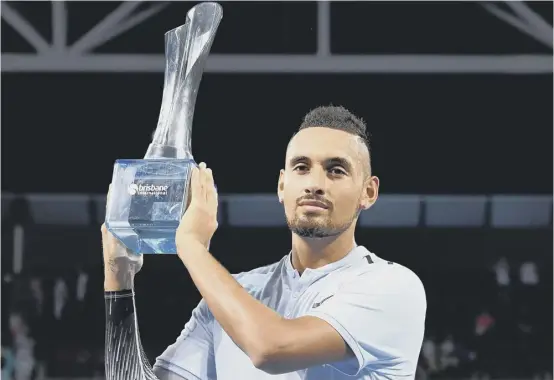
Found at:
[377, 306]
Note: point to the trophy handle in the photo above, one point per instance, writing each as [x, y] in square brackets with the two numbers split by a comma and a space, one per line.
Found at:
[186, 52]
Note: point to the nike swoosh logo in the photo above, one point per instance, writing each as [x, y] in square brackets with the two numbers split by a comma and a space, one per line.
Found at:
[318, 304]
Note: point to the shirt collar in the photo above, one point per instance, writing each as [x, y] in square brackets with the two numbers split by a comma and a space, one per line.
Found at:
[354, 255]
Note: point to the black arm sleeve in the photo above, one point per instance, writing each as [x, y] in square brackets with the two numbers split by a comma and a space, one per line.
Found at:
[124, 357]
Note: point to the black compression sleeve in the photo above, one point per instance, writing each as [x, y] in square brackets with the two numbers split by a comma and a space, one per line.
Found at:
[124, 357]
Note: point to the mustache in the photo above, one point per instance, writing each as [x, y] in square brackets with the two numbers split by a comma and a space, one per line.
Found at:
[314, 198]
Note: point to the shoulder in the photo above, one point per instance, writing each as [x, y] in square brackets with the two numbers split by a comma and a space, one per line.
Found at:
[398, 278]
[388, 279]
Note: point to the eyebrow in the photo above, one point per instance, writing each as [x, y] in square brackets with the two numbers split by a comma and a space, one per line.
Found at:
[299, 159]
[333, 161]
[339, 161]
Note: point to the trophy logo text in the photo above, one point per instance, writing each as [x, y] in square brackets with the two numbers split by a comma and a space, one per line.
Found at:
[139, 189]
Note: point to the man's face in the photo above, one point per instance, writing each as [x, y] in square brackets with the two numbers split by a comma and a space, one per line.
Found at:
[326, 182]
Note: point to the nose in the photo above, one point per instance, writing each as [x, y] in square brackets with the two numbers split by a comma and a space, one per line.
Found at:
[314, 191]
[315, 184]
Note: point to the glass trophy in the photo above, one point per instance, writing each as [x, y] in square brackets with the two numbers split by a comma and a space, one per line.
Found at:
[149, 196]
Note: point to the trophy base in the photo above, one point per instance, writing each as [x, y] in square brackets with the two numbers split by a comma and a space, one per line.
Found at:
[147, 201]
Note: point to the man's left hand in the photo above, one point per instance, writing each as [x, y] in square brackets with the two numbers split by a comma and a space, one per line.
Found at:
[199, 222]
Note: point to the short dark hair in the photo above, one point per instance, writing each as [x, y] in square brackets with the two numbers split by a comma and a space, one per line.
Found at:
[337, 117]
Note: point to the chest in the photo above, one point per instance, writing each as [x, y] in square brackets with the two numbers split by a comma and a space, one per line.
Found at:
[291, 299]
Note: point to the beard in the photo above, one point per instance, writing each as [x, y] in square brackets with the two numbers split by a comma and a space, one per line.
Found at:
[318, 228]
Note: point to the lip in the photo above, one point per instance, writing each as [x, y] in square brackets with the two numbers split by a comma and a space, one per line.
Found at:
[314, 204]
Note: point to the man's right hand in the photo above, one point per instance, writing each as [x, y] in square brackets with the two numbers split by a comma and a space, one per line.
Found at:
[120, 264]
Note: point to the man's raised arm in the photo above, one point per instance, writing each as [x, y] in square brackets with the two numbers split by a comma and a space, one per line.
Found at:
[124, 357]
[189, 358]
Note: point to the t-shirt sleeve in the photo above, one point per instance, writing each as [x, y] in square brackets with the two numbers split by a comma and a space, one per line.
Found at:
[192, 355]
[381, 320]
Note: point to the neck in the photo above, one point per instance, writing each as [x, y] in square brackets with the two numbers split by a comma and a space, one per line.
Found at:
[315, 253]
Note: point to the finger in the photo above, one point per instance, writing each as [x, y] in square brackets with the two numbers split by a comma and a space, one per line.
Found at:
[203, 180]
[195, 185]
[104, 229]
[108, 196]
[211, 192]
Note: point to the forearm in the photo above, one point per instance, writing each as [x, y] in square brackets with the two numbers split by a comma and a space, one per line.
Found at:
[247, 321]
[118, 276]
[124, 356]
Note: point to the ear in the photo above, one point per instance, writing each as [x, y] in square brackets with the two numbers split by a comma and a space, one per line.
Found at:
[281, 186]
[371, 193]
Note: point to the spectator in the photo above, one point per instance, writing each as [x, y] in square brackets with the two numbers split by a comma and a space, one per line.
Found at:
[23, 349]
[528, 274]
[430, 355]
[8, 363]
[483, 323]
[448, 361]
[502, 270]
[60, 298]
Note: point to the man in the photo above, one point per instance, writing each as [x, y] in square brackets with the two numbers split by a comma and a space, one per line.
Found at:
[328, 310]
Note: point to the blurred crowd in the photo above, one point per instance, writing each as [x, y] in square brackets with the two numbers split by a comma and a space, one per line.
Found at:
[493, 326]
[499, 329]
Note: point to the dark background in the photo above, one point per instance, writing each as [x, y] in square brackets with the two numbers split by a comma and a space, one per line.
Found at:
[460, 133]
